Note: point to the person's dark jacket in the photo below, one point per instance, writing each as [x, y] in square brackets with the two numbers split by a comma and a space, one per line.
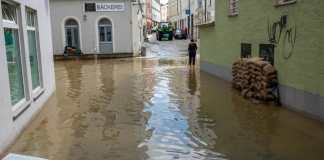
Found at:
[192, 48]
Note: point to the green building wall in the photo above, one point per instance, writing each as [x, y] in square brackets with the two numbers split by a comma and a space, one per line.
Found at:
[303, 71]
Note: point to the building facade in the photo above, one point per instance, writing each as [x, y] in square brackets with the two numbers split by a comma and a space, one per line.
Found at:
[164, 13]
[97, 27]
[172, 11]
[183, 15]
[288, 33]
[26, 64]
[148, 16]
[204, 12]
[156, 12]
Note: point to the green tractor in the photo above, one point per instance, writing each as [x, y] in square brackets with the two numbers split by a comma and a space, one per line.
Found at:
[164, 31]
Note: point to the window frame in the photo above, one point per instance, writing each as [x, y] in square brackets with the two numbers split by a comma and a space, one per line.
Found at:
[233, 8]
[106, 27]
[25, 102]
[271, 55]
[38, 91]
[244, 47]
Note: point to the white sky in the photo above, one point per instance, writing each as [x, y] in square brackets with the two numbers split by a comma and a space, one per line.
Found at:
[164, 1]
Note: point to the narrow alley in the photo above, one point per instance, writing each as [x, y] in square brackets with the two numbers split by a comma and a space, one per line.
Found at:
[156, 107]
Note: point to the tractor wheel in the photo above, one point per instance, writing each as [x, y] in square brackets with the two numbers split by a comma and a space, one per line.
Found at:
[170, 37]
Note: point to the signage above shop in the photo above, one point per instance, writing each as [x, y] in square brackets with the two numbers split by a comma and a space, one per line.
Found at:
[104, 7]
[110, 7]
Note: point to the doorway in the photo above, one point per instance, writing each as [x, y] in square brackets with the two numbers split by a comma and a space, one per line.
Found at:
[105, 36]
[72, 34]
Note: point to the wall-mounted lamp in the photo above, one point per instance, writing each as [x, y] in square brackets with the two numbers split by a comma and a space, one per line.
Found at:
[85, 17]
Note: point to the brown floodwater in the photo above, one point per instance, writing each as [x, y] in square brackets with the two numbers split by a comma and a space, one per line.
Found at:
[157, 108]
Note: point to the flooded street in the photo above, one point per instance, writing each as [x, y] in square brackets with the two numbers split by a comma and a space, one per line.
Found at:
[158, 108]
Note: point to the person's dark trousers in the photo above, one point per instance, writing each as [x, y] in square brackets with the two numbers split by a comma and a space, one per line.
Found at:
[192, 58]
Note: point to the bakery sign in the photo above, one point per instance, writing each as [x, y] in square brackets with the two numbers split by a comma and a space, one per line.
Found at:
[110, 7]
[104, 7]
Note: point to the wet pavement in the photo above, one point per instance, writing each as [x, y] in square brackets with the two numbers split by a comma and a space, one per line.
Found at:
[158, 108]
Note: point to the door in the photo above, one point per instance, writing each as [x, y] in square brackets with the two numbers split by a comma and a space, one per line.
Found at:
[72, 37]
[105, 36]
[72, 34]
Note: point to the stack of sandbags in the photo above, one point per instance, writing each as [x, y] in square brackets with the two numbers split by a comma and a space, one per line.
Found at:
[255, 78]
[240, 74]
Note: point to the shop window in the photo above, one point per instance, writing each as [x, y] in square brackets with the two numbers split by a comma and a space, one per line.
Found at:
[13, 52]
[233, 7]
[267, 52]
[31, 19]
[246, 49]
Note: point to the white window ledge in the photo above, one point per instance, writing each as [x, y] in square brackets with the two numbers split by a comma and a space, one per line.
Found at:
[37, 93]
[20, 107]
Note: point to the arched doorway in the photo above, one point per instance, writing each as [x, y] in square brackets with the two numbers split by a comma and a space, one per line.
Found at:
[105, 36]
[72, 38]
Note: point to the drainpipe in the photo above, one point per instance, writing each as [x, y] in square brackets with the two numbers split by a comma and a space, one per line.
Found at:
[189, 19]
[131, 25]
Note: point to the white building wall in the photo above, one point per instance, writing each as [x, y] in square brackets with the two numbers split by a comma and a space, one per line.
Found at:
[9, 128]
[172, 10]
[156, 11]
[121, 21]
[164, 13]
[137, 27]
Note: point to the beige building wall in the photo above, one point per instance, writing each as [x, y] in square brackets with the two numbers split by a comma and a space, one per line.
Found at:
[172, 10]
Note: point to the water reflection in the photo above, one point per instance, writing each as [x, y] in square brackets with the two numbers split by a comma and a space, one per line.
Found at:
[170, 135]
[192, 81]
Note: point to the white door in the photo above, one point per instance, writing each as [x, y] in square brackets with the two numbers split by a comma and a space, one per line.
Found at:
[105, 36]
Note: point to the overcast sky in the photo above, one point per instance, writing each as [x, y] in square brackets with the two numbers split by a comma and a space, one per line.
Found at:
[164, 1]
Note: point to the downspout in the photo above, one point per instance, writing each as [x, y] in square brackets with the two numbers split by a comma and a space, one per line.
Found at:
[131, 26]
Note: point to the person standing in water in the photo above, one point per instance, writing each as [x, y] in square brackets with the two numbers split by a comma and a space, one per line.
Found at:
[192, 49]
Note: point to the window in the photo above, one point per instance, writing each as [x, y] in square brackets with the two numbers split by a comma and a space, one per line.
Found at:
[13, 53]
[246, 50]
[105, 30]
[9, 13]
[31, 20]
[267, 52]
[233, 7]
